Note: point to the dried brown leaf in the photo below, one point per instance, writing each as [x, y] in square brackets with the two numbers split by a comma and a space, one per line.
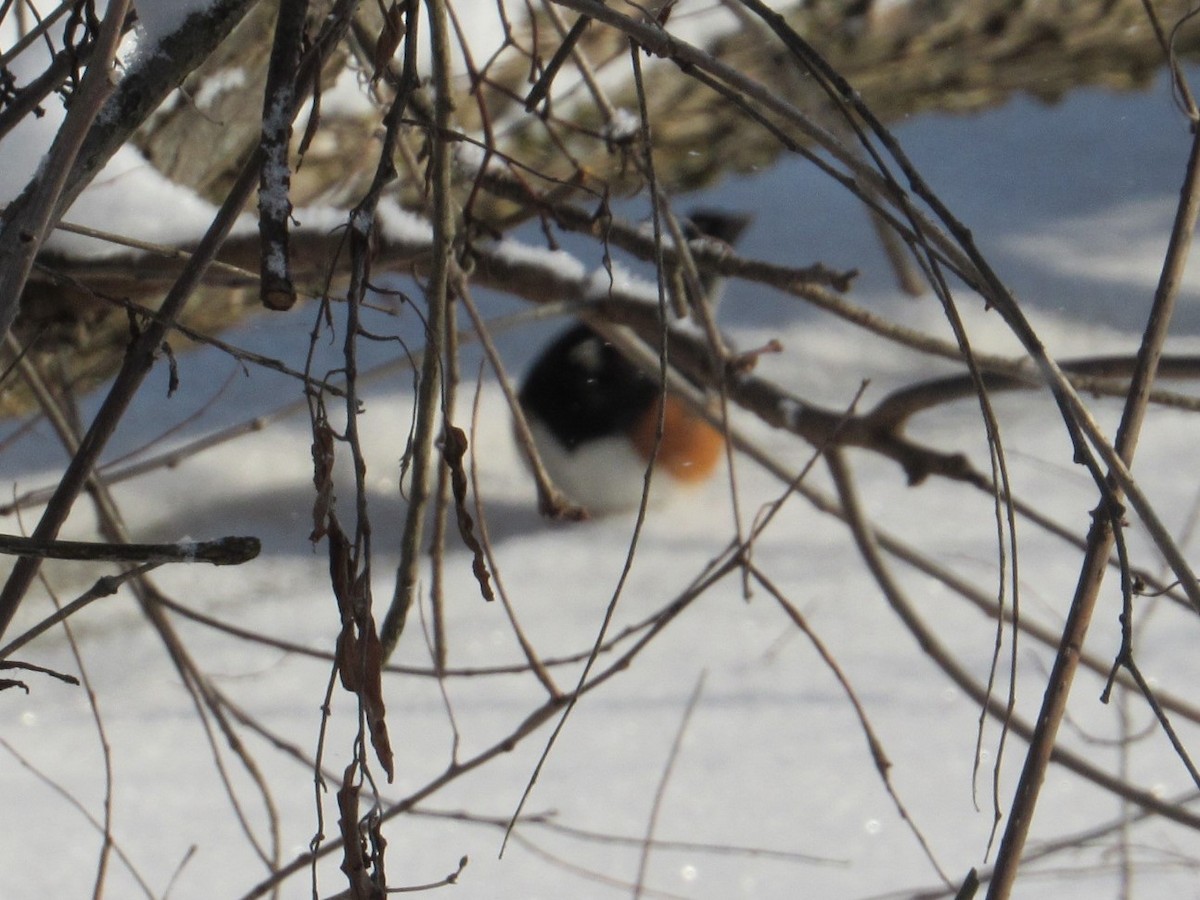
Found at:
[323, 457]
[454, 450]
[371, 694]
[389, 39]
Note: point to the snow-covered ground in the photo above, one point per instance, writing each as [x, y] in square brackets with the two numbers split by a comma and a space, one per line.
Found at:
[772, 792]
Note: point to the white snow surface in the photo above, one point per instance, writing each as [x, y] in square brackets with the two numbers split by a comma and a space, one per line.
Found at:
[773, 757]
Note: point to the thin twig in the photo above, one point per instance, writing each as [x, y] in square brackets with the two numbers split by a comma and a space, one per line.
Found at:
[429, 392]
[79, 807]
[227, 551]
[1102, 537]
[104, 587]
[647, 478]
[648, 841]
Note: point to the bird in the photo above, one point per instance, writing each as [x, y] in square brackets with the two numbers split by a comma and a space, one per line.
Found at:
[594, 415]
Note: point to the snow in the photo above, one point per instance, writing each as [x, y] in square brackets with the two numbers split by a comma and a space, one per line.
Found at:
[159, 18]
[773, 758]
[217, 84]
[565, 266]
[625, 126]
[603, 281]
[403, 226]
[128, 199]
